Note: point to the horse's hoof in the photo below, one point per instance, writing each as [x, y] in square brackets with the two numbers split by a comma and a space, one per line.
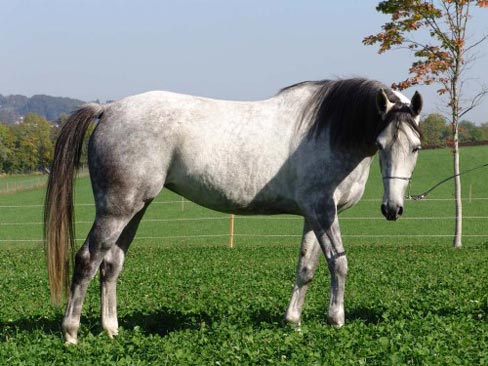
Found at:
[70, 341]
[336, 323]
[293, 325]
[70, 335]
[112, 333]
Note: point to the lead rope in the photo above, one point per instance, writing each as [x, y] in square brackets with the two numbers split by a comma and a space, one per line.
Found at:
[417, 197]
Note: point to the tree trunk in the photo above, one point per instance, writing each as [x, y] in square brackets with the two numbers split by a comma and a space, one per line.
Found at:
[457, 193]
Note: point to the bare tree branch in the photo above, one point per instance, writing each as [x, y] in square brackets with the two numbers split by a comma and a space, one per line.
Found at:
[475, 101]
[481, 40]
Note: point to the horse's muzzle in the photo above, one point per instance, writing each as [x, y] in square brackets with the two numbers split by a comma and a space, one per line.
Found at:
[391, 213]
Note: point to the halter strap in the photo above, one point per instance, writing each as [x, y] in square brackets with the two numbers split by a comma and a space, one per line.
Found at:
[340, 254]
[409, 179]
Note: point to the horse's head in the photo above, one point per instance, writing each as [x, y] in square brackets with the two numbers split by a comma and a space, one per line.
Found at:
[398, 144]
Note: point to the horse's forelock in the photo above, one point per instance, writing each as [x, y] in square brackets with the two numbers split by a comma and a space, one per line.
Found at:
[402, 115]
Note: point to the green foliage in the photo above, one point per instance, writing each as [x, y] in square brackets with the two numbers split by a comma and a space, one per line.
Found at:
[483, 129]
[27, 146]
[435, 130]
[193, 301]
[440, 56]
[6, 147]
[468, 132]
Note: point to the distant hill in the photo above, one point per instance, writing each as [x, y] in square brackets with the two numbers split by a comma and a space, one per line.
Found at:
[13, 107]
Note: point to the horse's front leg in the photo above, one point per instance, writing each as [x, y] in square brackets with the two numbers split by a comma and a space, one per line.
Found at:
[327, 231]
[308, 259]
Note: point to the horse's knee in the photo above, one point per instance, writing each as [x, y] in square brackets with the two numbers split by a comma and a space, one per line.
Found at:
[82, 266]
[340, 266]
[106, 269]
[111, 266]
[306, 274]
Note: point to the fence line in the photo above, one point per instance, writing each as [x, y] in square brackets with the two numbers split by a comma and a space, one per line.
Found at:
[268, 236]
[190, 202]
[242, 218]
[294, 218]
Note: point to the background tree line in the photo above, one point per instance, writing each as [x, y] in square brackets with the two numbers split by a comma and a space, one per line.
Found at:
[28, 146]
[437, 131]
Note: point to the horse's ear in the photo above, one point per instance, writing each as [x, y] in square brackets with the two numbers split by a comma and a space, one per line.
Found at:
[416, 103]
[383, 104]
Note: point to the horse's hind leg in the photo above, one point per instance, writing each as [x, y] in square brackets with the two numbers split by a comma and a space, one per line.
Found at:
[105, 232]
[109, 272]
[308, 259]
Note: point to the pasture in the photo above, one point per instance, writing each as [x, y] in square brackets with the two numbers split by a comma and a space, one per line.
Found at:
[185, 298]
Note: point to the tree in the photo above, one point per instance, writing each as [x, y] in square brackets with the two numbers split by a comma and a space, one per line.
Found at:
[441, 58]
[33, 144]
[434, 130]
[468, 132]
[6, 147]
[483, 128]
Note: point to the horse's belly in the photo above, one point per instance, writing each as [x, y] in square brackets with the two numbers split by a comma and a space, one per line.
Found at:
[239, 196]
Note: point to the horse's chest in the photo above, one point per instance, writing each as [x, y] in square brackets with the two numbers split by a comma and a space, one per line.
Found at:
[349, 194]
[350, 191]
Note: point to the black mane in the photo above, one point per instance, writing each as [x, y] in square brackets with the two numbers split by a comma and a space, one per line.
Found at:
[348, 109]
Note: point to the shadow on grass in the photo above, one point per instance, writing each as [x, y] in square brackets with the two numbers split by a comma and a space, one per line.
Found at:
[48, 325]
[165, 321]
[376, 316]
[367, 315]
[160, 322]
[267, 316]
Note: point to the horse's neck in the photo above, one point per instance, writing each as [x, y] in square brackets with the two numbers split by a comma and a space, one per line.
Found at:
[351, 188]
[354, 160]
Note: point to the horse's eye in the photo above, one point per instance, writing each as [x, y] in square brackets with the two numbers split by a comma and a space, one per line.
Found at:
[416, 149]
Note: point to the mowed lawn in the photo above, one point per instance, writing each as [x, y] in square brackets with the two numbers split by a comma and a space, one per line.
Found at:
[185, 298]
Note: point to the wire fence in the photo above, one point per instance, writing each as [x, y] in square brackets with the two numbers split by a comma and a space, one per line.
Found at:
[180, 202]
[260, 218]
[22, 184]
[19, 226]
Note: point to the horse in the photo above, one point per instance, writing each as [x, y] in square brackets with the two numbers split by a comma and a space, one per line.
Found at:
[305, 151]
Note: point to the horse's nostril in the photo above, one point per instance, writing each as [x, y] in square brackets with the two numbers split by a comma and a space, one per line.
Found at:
[400, 211]
[383, 210]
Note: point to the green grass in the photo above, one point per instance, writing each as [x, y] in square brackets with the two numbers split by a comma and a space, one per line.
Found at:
[191, 301]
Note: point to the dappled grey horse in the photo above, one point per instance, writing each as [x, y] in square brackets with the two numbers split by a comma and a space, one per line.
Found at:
[306, 151]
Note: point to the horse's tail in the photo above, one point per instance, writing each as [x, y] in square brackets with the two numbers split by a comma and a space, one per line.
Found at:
[59, 238]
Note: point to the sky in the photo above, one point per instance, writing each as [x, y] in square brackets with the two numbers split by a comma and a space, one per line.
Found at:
[226, 49]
